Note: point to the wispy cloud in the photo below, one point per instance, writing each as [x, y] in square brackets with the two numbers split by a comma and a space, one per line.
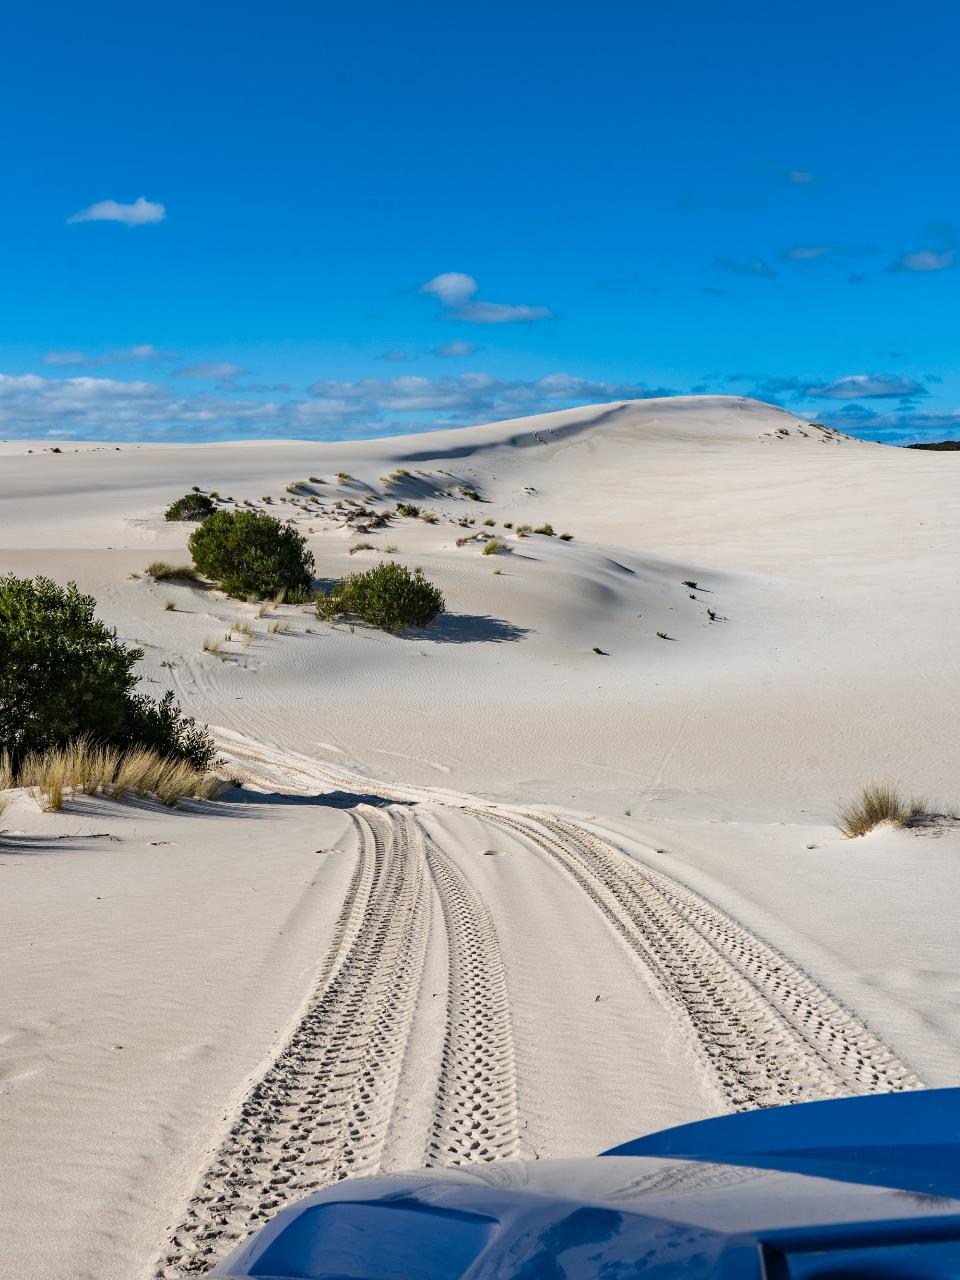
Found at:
[457, 293]
[144, 352]
[924, 260]
[138, 214]
[799, 177]
[211, 370]
[759, 268]
[455, 350]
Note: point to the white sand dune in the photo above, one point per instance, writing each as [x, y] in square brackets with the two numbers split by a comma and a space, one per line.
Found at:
[427, 930]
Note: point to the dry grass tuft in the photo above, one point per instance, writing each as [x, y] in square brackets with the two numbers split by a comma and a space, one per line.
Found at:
[279, 628]
[361, 546]
[878, 802]
[212, 646]
[6, 771]
[496, 546]
[160, 571]
[84, 767]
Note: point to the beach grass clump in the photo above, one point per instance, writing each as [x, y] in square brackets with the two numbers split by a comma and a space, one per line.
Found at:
[251, 553]
[87, 768]
[361, 546]
[429, 517]
[192, 506]
[65, 676]
[161, 571]
[496, 546]
[344, 477]
[546, 529]
[279, 628]
[388, 596]
[878, 802]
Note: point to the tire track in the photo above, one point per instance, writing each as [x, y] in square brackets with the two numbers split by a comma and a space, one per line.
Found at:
[321, 1112]
[476, 1117]
[769, 1033]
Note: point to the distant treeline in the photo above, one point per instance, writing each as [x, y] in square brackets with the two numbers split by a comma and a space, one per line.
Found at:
[937, 444]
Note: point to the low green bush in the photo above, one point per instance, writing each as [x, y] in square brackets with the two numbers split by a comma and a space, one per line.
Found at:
[251, 553]
[389, 597]
[192, 506]
[65, 675]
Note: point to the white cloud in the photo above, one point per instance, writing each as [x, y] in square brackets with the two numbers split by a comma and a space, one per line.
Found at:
[867, 386]
[137, 214]
[455, 350]
[90, 407]
[453, 288]
[471, 396]
[456, 291]
[925, 260]
[215, 370]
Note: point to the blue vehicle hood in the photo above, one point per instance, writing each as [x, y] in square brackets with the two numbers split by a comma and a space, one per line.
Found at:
[858, 1187]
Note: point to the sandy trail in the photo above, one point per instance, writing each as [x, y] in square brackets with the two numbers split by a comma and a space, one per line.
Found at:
[362, 1085]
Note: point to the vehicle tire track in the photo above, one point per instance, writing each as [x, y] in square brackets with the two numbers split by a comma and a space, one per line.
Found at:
[475, 1118]
[770, 1034]
[322, 1110]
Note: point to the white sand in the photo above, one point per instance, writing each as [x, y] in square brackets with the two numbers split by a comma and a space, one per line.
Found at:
[829, 564]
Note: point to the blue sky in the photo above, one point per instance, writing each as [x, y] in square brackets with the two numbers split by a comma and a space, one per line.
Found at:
[313, 220]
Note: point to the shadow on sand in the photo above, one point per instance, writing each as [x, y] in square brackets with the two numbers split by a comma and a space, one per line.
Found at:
[467, 628]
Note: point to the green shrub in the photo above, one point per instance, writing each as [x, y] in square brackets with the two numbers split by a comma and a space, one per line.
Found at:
[251, 553]
[66, 676]
[408, 509]
[546, 530]
[192, 506]
[389, 597]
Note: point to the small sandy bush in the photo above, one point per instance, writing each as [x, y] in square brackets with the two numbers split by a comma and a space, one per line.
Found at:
[192, 506]
[389, 597]
[496, 546]
[249, 552]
